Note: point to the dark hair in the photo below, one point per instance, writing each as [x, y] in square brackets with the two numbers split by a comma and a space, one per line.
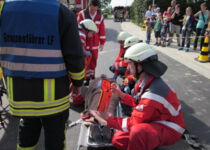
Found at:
[204, 4]
[94, 3]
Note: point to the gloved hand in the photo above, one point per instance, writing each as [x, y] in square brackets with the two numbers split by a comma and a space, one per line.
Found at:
[87, 53]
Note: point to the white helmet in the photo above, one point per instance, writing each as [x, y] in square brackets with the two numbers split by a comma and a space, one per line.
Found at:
[139, 52]
[145, 55]
[130, 41]
[89, 25]
[122, 36]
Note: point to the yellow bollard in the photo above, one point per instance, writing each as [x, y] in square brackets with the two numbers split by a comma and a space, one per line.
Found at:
[203, 57]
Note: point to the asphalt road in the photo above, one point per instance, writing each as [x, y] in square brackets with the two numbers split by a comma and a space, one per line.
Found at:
[192, 89]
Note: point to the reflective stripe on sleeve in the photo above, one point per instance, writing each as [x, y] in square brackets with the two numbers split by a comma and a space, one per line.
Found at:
[97, 22]
[77, 76]
[102, 37]
[95, 47]
[172, 125]
[163, 101]
[1, 6]
[124, 124]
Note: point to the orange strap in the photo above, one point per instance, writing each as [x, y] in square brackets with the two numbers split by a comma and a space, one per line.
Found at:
[105, 96]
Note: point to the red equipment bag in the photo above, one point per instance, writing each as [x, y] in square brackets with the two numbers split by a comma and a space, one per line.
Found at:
[99, 97]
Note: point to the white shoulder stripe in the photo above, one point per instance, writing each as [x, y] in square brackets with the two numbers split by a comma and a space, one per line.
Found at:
[163, 101]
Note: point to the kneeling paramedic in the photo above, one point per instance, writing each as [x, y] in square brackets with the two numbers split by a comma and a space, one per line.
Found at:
[118, 67]
[40, 53]
[156, 119]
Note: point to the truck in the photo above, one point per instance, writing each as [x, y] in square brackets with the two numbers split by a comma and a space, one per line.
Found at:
[119, 13]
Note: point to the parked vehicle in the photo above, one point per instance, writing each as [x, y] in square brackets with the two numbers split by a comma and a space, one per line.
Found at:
[119, 13]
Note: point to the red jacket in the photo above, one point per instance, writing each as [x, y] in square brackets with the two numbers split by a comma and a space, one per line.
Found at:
[119, 61]
[83, 38]
[158, 103]
[99, 38]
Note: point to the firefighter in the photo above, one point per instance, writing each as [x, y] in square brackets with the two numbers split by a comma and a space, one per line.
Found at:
[98, 40]
[40, 54]
[86, 30]
[156, 118]
[122, 36]
[119, 68]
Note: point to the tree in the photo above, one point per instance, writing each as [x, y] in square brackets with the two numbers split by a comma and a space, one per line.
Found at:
[105, 3]
[138, 10]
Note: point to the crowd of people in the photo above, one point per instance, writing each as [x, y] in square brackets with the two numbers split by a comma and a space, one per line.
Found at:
[186, 26]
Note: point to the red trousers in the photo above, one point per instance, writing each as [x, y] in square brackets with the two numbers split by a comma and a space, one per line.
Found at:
[93, 62]
[145, 137]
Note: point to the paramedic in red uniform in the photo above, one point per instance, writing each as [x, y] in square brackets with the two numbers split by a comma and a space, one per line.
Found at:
[98, 40]
[156, 119]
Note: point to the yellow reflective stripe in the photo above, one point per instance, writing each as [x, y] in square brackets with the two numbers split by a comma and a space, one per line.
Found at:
[53, 89]
[77, 76]
[26, 148]
[1, 73]
[8, 89]
[30, 104]
[49, 90]
[11, 88]
[1, 6]
[45, 90]
[36, 113]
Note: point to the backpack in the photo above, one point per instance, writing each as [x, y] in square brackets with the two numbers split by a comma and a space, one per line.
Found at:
[99, 97]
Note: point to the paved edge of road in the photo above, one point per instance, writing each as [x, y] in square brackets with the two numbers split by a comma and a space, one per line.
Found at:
[185, 58]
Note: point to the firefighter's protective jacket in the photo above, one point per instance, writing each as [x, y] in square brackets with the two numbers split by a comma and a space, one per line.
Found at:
[40, 47]
[119, 61]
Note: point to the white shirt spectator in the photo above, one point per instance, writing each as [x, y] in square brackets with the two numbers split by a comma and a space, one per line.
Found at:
[148, 14]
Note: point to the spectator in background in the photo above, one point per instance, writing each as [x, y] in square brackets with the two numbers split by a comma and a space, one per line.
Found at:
[157, 29]
[153, 21]
[148, 13]
[203, 18]
[187, 29]
[148, 29]
[164, 30]
[157, 11]
[176, 24]
[154, 9]
[167, 14]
